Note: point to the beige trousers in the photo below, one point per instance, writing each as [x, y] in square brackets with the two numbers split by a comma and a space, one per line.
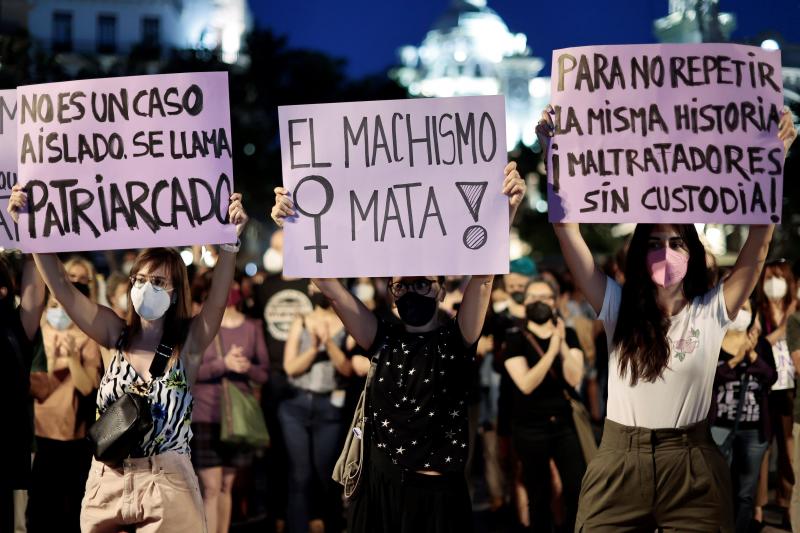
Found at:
[153, 494]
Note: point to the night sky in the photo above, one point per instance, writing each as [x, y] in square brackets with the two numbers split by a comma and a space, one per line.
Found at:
[367, 33]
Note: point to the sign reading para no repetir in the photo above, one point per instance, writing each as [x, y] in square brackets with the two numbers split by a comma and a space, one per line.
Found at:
[399, 187]
[666, 133]
[125, 162]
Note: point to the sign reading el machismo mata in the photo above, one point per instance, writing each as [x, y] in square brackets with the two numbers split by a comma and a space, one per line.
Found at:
[125, 162]
[666, 133]
[401, 187]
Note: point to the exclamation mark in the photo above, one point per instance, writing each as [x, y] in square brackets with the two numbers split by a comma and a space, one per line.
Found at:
[472, 192]
[555, 166]
[773, 199]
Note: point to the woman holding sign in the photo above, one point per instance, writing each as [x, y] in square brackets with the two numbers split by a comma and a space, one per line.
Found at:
[417, 402]
[658, 466]
[158, 349]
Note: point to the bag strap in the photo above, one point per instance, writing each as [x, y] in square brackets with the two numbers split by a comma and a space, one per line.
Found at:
[532, 339]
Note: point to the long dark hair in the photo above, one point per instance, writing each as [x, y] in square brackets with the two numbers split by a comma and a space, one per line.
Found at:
[179, 314]
[642, 325]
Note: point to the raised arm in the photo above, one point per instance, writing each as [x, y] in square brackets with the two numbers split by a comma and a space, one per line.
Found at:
[589, 279]
[478, 292]
[98, 322]
[358, 321]
[750, 262]
[32, 300]
[205, 325]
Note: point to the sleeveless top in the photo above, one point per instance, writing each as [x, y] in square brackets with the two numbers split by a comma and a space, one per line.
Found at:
[321, 375]
[170, 403]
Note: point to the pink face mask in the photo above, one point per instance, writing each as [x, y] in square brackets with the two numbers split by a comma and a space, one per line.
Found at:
[667, 266]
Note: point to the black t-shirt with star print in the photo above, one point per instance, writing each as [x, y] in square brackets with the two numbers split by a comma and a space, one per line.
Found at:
[418, 398]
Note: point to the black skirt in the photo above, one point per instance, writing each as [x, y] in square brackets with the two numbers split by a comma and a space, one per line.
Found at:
[394, 500]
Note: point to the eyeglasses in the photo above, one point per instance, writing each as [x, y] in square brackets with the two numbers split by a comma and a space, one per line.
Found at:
[159, 283]
[420, 286]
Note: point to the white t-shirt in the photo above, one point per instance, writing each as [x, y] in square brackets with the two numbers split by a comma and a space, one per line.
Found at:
[682, 395]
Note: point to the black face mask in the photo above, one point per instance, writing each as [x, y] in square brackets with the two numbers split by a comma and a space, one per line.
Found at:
[83, 288]
[318, 300]
[518, 297]
[538, 312]
[416, 310]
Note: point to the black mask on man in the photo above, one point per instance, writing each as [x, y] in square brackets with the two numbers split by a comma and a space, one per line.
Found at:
[416, 310]
[538, 312]
[518, 297]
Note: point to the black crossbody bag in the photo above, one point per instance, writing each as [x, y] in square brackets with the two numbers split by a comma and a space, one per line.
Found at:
[125, 423]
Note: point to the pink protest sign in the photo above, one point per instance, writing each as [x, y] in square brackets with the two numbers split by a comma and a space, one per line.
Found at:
[398, 187]
[125, 162]
[8, 165]
[666, 133]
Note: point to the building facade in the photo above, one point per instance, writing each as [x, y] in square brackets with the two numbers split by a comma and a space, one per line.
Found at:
[113, 28]
[470, 51]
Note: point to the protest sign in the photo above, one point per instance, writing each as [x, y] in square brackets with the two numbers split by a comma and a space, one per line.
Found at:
[125, 162]
[8, 165]
[666, 133]
[398, 187]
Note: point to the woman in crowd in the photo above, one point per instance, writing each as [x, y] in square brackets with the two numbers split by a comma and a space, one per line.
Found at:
[238, 354]
[745, 372]
[544, 361]
[776, 295]
[413, 480]
[62, 412]
[117, 288]
[665, 327]
[122, 496]
[18, 329]
[311, 417]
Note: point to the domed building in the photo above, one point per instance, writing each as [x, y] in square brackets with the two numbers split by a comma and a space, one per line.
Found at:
[470, 51]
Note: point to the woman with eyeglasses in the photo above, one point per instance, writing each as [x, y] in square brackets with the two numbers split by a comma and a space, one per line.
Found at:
[417, 404]
[156, 487]
[658, 466]
[64, 394]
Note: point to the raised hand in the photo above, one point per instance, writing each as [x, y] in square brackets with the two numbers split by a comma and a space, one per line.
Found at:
[17, 202]
[786, 130]
[236, 213]
[283, 207]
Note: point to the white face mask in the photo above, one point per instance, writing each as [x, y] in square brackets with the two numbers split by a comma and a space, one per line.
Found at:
[58, 318]
[742, 321]
[126, 267]
[149, 303]
[273, 261]
[122, 301]
[499, 307]
[364, 292]
[775, 288]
